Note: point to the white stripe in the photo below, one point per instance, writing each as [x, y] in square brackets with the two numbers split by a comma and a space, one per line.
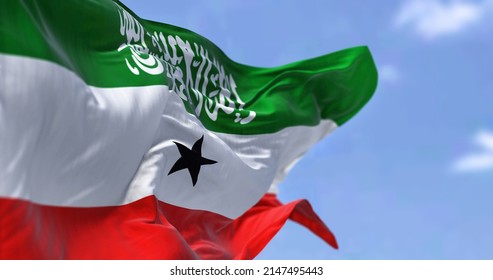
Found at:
[63, 142]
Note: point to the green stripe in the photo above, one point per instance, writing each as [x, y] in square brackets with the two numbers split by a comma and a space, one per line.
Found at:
[84, 36]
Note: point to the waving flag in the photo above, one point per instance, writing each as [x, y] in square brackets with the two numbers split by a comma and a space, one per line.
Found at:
[124, 138]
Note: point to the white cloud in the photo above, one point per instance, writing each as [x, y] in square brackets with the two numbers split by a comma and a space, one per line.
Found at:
[433, 18]
[485, 140]
[388, 73]
[479, 161]
[474, 162]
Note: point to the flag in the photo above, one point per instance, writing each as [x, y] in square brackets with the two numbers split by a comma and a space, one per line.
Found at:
[122, 138]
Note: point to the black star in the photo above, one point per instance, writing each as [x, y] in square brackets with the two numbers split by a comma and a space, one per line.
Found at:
[191, 159]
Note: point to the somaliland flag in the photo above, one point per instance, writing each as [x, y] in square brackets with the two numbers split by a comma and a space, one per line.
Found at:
[122, 138]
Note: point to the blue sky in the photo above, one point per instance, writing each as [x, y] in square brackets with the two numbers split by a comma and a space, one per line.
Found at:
[409, 177]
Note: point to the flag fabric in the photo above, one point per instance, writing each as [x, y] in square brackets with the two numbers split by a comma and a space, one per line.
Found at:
[122, 138]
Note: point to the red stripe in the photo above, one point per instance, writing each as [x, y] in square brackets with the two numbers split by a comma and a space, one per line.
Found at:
[145, 229]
